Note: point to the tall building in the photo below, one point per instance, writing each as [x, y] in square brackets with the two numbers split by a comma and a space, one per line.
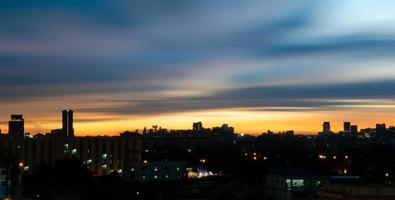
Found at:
[16, 126]
[326, 128]
[347, 127]
[198, 126]
[380, 130]
[67, 124]
[102, 155]
[354, 130]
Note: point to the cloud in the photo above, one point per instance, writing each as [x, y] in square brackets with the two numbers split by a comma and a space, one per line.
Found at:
[269, 98]
[254, 54]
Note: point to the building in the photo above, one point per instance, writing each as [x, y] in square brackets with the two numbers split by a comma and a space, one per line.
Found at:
[347, 128]
[16, 126]
[354, 130]
[380, 131]
[186, 140]
[290, 184]
[148, 171]
[67, 123]
[198, 126]
[355, 191]
[101, 154]
[326, 128]
[5, 180]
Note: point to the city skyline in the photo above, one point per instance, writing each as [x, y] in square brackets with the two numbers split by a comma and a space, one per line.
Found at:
[66, 123]
[257, 65]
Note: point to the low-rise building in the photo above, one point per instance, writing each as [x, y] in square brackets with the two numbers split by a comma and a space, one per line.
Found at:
[357, 192]
[148, 171]
[292, 184]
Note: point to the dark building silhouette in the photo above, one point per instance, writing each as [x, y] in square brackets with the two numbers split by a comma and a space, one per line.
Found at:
[326, 128]
[345, 191]
[187, 140]
[102, 155]
[354, 130]
[148, 171]
[198, 126]
[347, 127]
[380, 131]
[16, 126]
[67, 122]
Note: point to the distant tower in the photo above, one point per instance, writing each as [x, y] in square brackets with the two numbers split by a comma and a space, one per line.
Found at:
[198, 126]
[381, 130]
[347, 127]
[16, 126]
[326, 128]
[67, 124]
[354, 130]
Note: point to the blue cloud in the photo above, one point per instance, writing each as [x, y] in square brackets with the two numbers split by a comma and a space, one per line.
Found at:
[74, 47]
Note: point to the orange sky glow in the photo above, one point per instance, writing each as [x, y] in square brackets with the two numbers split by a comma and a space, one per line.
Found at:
[251, 122]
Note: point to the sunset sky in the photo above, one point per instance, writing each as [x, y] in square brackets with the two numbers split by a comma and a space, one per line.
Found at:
[254, 64]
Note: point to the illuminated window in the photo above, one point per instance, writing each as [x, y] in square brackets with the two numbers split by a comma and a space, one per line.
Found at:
[298, 183]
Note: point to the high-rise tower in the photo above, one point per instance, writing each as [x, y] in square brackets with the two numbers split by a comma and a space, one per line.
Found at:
[326, 128]
[16, 126]
[347, 127]
[67, 124]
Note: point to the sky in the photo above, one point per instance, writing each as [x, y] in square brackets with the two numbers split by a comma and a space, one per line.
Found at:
[254, 64]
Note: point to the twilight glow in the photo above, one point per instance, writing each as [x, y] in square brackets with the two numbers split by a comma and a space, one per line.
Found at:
[255, 64]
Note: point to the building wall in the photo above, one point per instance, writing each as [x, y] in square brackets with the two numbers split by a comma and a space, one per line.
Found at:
[155, 171]
[101, 154]
[290, 188]
[357, 191]
[5, 182]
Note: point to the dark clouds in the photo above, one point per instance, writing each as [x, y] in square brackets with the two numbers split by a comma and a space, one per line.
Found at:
[270, 98]
[207, 54]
